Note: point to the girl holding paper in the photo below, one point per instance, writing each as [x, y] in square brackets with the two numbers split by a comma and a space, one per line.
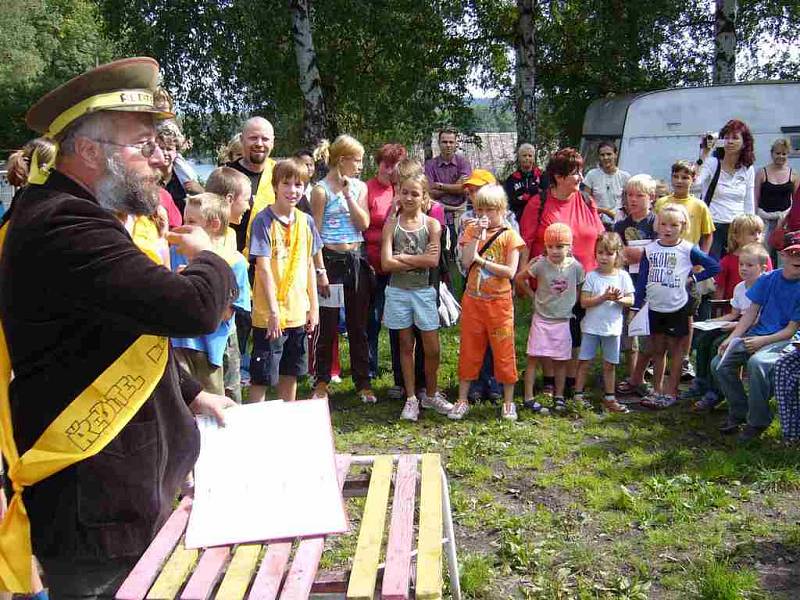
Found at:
[664, 273]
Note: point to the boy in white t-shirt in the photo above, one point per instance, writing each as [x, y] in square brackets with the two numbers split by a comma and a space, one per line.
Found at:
[606, 291]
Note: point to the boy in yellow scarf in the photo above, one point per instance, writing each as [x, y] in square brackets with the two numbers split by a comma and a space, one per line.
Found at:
[283, 242]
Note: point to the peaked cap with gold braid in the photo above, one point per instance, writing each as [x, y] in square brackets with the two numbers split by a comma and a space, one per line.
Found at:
[125, 85]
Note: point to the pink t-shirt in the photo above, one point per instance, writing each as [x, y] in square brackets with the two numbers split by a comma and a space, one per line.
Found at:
[581, 218]
[379, 202]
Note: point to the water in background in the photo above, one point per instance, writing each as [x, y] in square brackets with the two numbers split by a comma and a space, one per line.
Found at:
[203, 168]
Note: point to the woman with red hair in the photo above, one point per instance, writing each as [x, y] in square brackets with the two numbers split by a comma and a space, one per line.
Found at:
[380, 195]
[727, 179]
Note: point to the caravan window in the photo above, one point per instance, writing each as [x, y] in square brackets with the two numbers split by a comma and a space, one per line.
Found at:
[793, 135]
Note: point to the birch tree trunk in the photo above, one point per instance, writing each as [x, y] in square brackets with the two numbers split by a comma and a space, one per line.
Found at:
[315, 118]
[725, 41]
[526, 72]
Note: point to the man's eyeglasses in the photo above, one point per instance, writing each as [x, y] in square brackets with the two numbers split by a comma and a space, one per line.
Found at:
[147, 148]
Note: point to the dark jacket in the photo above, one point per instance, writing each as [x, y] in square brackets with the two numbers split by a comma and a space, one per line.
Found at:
[75, 292]
[521, 186]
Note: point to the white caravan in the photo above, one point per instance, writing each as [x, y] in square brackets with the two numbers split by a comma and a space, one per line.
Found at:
[654, 129]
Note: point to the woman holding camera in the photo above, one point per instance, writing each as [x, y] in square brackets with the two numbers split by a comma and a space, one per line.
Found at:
[727, 179]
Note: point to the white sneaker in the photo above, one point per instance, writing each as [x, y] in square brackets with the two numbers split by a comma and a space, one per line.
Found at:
[367, 397]
[438, 403]
[458, 412]
[336, 379]
[410, 410]
[509, 412]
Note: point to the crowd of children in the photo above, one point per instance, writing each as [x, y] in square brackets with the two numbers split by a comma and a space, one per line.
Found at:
[641, 297]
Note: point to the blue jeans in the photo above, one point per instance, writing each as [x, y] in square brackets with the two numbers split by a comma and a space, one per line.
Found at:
[374, 321]
[752, 407]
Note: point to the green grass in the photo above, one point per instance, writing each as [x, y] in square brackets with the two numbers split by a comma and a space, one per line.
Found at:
[645, 505]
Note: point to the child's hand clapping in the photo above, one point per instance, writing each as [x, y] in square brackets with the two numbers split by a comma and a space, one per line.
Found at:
[612, 293]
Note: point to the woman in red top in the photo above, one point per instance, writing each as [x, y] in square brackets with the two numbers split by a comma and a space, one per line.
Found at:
[380, 199]
[564, 203]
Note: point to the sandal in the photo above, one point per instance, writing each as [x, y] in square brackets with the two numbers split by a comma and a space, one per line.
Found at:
[658, 401]
[367, 396]
[625, 388]
[613, 406]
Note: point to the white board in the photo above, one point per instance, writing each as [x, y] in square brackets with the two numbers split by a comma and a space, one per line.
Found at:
[269, 474]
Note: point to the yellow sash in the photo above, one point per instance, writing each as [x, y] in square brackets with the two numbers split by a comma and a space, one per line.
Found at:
[82, 430]
[264, 196]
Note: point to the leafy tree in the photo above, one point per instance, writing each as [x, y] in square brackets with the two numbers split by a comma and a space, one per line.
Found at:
[389, 69]
[43, 43]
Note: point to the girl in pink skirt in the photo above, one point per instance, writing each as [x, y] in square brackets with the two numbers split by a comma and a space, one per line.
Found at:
[558, 279]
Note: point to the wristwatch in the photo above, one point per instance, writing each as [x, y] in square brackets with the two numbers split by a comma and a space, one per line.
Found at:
[699, 161]
[321, 270]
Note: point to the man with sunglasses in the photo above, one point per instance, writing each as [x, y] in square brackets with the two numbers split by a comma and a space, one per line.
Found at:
[86, 314]
[760, 338]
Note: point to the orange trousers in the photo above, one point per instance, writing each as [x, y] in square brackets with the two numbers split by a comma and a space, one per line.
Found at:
[487, 321]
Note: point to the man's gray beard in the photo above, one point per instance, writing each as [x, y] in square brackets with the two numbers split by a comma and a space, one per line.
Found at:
[122, 191]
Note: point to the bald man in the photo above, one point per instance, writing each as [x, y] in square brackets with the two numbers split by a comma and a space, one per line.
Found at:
[258, 139]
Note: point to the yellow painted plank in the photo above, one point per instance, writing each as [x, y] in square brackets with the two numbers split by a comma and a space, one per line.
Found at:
[365, 562]
[429, 545]
[240, 572]
[175, 572]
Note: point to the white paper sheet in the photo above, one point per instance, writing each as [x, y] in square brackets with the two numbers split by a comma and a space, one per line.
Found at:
[336, 298]
[640, 323]
[711, 325]
[634, 268]
[269, 474]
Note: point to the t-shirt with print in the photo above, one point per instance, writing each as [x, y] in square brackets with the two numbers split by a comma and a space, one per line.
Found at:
[272, 238]
[605, 318]
[740, 301]
[480, 282]
[700, 221]
[556, 287]
[779, 299]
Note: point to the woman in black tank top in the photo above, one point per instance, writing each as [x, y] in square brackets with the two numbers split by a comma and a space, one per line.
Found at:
[774, 187]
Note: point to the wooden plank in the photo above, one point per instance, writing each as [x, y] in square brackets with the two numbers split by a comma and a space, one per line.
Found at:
[268, 580]
[397, 574]
[206, 574]
[368, 548]
[174, 574]
[429, 548]
[240, 572]
[143, 575]
[301, 576]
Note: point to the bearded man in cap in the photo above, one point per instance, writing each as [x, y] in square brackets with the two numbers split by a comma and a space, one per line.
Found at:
[97, 424]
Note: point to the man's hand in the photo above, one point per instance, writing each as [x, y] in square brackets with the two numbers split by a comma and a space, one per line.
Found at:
[190, 240]
[211, 404]
[3, 503]
[753, 343]
[724, 346]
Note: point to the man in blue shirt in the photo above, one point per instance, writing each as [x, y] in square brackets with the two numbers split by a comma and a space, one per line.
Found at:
[757, 342]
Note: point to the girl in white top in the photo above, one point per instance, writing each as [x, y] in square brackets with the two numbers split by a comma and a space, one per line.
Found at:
[606, 291]
[606, 182]
[733, 194]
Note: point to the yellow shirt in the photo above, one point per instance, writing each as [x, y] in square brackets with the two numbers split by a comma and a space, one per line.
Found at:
[273, 239]
[700, 221]
[263, 197]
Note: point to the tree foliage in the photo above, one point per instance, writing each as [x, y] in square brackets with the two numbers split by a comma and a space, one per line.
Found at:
[390, 69]
[42, 44]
